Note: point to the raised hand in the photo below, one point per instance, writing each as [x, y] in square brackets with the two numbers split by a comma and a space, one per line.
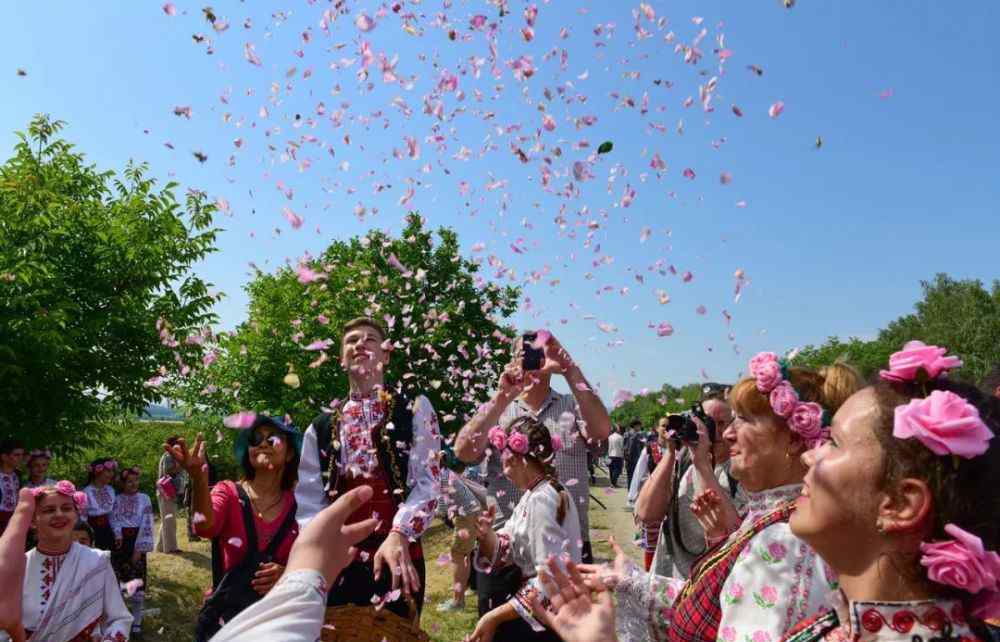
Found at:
[708, 510]
[583, 612]
[607, 575]
[12, 563]
[394, 553]
[193, 460]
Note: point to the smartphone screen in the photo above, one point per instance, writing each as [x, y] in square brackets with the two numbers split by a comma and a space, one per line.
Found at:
[533, 357]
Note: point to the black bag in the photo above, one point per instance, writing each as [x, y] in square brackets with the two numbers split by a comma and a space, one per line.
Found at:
[233, 592]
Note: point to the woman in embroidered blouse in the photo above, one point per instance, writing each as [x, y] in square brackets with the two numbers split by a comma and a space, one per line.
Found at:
[543, 524]
[132, 523]
[38, 469]
[70, 591]
[101, 501]
[759, 580]
[902, 502]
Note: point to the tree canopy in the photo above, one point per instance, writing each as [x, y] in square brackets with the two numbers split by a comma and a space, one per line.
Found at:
[444, 323]
[94, 269]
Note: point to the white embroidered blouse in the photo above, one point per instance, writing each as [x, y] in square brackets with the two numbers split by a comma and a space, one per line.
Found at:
[530, 536]
[776, 582]
[9, 486]
[100, 501]
[134, 511]
[357, 457]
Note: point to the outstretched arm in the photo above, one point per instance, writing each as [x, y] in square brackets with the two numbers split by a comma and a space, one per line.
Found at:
[12, 563]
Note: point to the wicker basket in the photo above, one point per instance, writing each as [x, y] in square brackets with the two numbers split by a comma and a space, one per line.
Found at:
[364, 624]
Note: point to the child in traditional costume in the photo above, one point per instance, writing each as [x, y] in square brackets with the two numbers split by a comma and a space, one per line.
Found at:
[101, 501]
[70, 592]
[132, 523]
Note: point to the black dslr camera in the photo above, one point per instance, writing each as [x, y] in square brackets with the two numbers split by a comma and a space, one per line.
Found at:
[684, 428]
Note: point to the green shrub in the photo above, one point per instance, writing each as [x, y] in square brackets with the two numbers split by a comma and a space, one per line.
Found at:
[140, 443]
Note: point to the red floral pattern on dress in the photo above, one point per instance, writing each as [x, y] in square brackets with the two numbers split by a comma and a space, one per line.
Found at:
[9, 485]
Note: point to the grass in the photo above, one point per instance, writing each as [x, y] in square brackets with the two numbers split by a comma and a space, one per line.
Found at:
[177, 584]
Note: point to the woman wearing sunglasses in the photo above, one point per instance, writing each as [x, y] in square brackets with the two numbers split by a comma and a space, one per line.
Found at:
[268, 453]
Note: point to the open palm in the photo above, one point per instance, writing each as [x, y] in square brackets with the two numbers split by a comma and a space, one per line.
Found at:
[578, 617]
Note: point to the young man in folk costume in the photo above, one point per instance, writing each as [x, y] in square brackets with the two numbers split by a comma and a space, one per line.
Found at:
[385, 440]
[11, 456]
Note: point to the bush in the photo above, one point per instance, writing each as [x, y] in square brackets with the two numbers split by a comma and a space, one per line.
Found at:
[140, 443]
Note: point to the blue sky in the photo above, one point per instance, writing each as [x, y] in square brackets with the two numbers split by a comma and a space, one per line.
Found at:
[833, 240]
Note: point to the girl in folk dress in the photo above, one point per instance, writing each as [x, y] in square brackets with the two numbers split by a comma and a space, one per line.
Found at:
[70, 592]
[902, 501]
[544, 524]
[132, 523]
[101, 501]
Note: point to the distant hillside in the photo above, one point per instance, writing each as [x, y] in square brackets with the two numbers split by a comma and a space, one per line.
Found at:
[156, 412]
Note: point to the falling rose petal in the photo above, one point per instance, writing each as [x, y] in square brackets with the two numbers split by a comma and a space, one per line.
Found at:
[364, 22]
[582, 386]
[548, 122]
[235, 541]
[541, 338]
[444, 559]
[687, 277]
[887, 93]
[251, 55]
[688, 173]
[701, 309]
[620, 397]
[741, 203]
[307, 275]
[775, 110]
[132, 586]
[664, 329]
[241, 420]
[183, 110]
[293, 219]
[571, 482]
[322, 344]
[725, 178]
[645, 234]
[198, 518]
[737, 111]
[170, 9]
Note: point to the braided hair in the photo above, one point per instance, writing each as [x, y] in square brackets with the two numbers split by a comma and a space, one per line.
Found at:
[541, 450]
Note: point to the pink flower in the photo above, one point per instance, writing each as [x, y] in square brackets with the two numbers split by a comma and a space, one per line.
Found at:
[961, 562]
[518, 443]
[768, 376]
[784, 399]
[557, 443]
[945, 423]
[497, 437]
[769, 593]
[916, 356]
[736, 591]
[760, 636]
[807, 420]
[759, 360]
[777, 551]
[728, 634]
[80, 499]
[65, 488]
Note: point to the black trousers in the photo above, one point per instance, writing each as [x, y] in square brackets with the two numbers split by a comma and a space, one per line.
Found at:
[356, 585]
[497, 588]
[615, 465]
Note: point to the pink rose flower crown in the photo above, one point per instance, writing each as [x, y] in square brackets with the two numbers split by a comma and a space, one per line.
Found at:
[807, 418]
[947, 425]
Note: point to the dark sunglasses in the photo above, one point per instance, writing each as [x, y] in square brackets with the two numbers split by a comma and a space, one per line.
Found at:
[258, 437]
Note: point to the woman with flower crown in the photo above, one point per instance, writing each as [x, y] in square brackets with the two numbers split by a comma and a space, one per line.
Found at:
[902, 502]
[757, 580]
[70, 592]
[544, 524]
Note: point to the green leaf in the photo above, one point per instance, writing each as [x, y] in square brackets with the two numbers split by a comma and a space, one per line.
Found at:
[605, 147]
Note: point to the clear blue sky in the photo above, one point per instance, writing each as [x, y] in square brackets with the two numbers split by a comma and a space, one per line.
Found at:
[834, 240]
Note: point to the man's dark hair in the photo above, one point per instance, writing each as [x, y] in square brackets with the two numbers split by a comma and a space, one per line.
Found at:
[635, 423]
[713, 390]
[7, 446]
[366, 322]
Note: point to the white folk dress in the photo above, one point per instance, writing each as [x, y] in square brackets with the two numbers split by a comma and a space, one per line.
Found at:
[774, 582]
[530, 536]
[73, 597]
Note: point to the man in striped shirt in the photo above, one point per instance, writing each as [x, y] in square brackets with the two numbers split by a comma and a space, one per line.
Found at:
[579, 419]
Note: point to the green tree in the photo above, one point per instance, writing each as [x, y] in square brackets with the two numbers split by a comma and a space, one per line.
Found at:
[865, 356]
[443, 321]
[650, 407]
[95, 285]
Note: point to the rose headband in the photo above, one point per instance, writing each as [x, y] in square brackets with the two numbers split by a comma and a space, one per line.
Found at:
[963, 563]
[517, 442]
[807, 418]
[944, 422]
[111, 464]
[134, 470]
[66, 489]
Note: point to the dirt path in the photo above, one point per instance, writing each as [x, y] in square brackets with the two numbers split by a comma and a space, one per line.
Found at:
[616, 519]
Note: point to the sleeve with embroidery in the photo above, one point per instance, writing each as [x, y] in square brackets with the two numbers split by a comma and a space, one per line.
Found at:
[645, 604]
[144, 540]
[777, 582]
[116, 621]
[292, 611]
[423, 475]
[309, 492]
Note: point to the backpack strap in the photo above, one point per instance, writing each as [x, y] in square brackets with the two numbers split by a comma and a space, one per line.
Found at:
[248, 524]
[323, 427]
[283, 530]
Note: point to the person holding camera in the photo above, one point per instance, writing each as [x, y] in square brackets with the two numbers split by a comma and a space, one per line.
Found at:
[577, 420]
[673, 485]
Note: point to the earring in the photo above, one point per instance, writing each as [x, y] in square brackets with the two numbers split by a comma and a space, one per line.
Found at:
[880, 526]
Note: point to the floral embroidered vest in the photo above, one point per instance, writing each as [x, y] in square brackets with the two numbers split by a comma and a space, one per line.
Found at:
[697, 611]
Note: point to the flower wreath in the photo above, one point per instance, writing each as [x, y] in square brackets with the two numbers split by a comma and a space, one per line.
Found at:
[132, 470]
[807, 418]
[110, 464]
[947, 424]
[66, 489]
[517, 442]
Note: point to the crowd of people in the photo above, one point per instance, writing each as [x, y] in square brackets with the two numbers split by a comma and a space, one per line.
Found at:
[795, 504]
